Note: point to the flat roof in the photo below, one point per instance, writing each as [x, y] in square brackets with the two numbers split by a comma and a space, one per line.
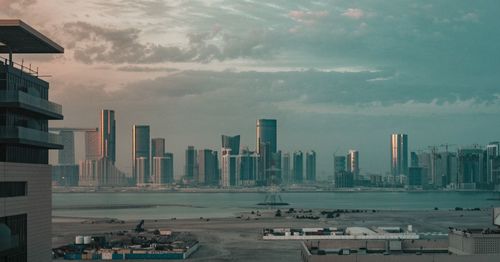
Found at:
[23, 39]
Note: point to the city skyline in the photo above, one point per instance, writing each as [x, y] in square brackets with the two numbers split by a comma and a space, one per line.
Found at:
[322, 69]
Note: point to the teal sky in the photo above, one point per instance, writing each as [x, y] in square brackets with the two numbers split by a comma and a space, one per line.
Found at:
[337, 75]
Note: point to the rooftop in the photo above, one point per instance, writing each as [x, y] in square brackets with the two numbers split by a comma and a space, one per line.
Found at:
[18, 37]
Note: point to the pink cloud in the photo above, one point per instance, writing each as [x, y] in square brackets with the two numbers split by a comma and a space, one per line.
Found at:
[301, 16]
[354, 13]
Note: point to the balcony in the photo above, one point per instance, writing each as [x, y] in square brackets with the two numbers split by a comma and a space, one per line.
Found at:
[28, 136]
[28, 102]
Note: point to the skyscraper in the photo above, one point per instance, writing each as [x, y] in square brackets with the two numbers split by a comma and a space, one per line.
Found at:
[267, 134]
[311, 166]
[339, 164]
[228, 168]
[399, 154]
[141, 153]
[353, 163]
[286, 170]
[25, 176]
[157, 147]
[66, 156]
[92, 145]
[170, 167]
[231, 142]
[161, 170]
[298, 167]
[190, 167]
[492, 152]
[208, 169]
[247, 168]
[107, 130]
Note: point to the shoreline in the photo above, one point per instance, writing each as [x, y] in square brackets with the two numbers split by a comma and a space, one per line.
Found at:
[70, 190]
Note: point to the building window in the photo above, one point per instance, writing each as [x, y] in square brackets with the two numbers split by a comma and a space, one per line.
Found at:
[13, 189]
[13, 238]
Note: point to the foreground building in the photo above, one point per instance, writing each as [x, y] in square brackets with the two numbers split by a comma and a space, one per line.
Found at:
[25, 176]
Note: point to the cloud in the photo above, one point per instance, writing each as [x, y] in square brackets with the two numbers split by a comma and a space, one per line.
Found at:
[97, 44]
[354, 13]
[15, 7]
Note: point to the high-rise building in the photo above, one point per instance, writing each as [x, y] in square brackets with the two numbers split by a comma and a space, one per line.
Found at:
[161, 170]
[25, 176]
[298, 167]
[66, 156]
[339, 164]
[492, 152]
[415, 177]
[311, 166]
[157, 147]
[286, 170]
[141, 154]
[471, 166]
[247, 168]
[399, 154]
[158, 150]
[228, 168]
[107, 136]
[190, 167]
[231, 142]
[267, 134]
[92, 145]
[208, 168]
[353, 163]
[170, 167]
[100, 172]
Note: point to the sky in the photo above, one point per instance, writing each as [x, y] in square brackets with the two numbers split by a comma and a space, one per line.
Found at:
[337, 75]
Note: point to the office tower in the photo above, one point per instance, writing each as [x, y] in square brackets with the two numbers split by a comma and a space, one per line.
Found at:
[141, 170]
[353, 163]
[92, 145]
[415, 177]
[157, 150]
[286, 170]
[339, 164]
[100, 172]
[344, 179]
[66, 156]
[170, 167]
[208, 169]
[247, 168]
[399, 154]
[413, 159]
[492, 152]
[141, 151]
[190, 167]
[298, 167]
[162, 167]
[267, 134]
[157, 147]
[311, 166]
[228, 168]
[471, 166]
[231, 142]
[107, 135]
[25, 176]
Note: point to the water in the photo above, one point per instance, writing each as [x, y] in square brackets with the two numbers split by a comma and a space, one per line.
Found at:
[195, 205]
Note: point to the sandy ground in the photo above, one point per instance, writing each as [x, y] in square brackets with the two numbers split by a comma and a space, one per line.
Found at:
[238, 239]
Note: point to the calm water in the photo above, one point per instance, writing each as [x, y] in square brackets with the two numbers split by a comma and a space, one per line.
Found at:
[194, 205]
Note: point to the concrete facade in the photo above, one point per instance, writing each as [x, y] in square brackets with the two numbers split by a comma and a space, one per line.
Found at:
[36, 205]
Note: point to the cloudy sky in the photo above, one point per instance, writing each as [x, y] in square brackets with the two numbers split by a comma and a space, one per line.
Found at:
[336, 74]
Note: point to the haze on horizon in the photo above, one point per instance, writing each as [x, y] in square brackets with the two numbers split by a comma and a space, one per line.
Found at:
[335, 74]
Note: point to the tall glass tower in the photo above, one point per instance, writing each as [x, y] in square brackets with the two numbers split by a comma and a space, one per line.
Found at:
[231, 142]
[267, 134]
[140, 153]
[108, 134]
[399, 154]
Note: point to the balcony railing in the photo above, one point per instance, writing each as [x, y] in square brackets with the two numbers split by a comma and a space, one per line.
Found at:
[30, 101]
[30, 136]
